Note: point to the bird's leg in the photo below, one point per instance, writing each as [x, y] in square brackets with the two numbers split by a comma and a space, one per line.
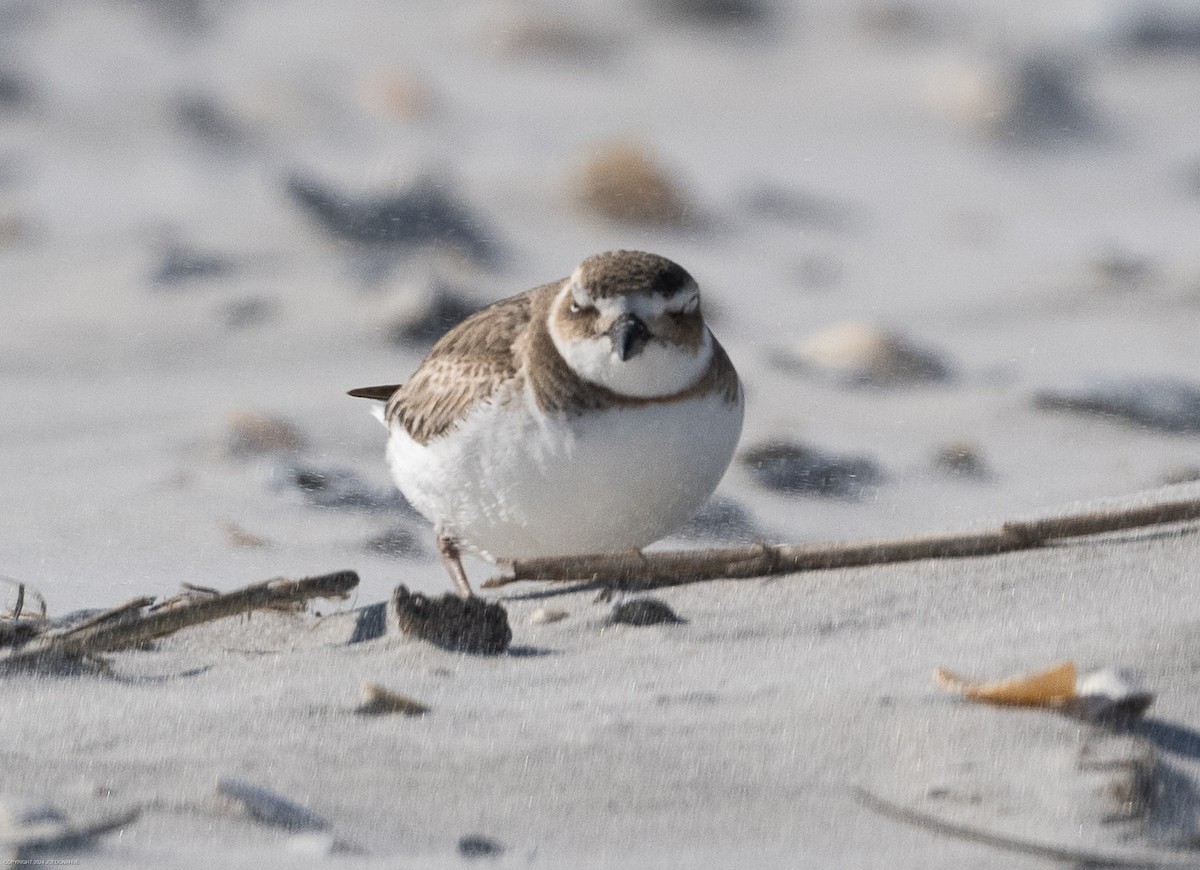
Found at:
[451, 558]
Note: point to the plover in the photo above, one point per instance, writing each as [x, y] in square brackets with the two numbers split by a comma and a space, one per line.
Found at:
[594, 414]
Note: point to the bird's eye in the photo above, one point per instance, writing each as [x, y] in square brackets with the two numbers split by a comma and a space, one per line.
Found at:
[576, 308]
[689, 307]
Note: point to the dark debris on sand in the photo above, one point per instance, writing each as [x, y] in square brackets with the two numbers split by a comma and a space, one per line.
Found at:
[425, 214]
[479, 846]
[1164, 404]
[467, 625]
[792, 468]
[337, 488]
[644, 610]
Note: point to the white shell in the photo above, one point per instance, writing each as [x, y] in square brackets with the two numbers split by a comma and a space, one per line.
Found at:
[547, 615]
[1113, 684]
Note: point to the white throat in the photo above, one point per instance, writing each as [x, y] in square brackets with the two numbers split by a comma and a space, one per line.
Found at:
[661, 369]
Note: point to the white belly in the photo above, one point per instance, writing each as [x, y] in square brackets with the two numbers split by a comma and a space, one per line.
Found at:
[511, 482]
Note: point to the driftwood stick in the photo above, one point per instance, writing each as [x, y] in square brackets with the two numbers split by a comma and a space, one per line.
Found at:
[653, 570]
[122, 627]
[1076, 856]
[26, 845]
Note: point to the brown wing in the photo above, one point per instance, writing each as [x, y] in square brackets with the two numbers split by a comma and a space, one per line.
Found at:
[721, 376]
[466, 366]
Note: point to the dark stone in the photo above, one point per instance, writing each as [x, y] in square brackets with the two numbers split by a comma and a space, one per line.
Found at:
[796, 469]
[1164, 30]
[721, 519]
[248, 312]
[180, 265]
[371, 623]
[716, 13]
[468, 625]
[479, 846]
[644, 611]
[1046, 105]
[15, 91]
[398, 542]
[425, 214]
[202, 117]
[1164, 404]
[961, 459]
[803, 208]
[338, 488]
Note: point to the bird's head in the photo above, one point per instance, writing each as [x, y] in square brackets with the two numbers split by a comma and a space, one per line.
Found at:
[630, 321]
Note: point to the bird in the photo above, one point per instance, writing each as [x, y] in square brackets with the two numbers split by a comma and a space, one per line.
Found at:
[591, 415]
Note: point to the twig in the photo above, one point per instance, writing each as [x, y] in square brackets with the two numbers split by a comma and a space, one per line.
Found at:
[121, 611]
[658, 569]
[1080, 857]
[24, 591]
[123, 626]
[26, 843]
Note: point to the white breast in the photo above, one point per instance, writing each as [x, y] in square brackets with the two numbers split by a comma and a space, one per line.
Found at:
[511, 482]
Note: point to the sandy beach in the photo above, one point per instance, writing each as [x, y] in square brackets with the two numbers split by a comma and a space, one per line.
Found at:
[950, 248]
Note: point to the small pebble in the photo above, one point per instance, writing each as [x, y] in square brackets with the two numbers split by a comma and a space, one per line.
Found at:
[961, 459]
[860, 353]
[479, 846]
[398, 542]
[819, 272]
[721, 519]
[253, 434]
[535, 36]
[179, 265]
[623, 182]
[801, 207]
[425, 214]
[900, 20]
[1161, 28]
[793, 468]
[15, 90]
[715, 13]
[643, 611]
[337, 488]
[399, 97]
[208, 122]
[1032, 101]
[247, 312]
[1116, 270]
[15, 228]
[547, 615]
[378, 701]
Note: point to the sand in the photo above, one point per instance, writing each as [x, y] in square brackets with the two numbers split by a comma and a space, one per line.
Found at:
[890, 164]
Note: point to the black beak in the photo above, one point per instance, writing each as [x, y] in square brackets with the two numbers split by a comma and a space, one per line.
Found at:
[629, 335]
